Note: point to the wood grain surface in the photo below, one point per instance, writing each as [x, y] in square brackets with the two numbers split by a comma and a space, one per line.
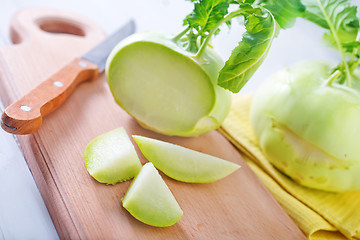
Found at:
[237, 207]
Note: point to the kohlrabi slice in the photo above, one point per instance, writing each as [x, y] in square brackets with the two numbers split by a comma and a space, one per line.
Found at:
[184, 164]
[111, 157]
[150, 200]
[165, 88]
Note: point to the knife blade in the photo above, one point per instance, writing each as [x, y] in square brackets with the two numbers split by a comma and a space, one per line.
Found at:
[24, 116]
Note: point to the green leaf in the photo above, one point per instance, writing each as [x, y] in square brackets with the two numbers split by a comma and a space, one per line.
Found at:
[248, 1]
[192, 43]
[338, 16]
[350, 46]
[206, 14]
[251, 51]
[285, 12]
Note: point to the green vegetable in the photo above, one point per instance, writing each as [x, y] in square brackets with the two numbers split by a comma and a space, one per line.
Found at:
[184, 164]
[178, 85]
[164, 89]
[150, 200]
[306, 118]
[111, 157]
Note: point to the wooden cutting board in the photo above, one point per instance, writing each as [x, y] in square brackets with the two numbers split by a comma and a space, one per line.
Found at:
[237, 207]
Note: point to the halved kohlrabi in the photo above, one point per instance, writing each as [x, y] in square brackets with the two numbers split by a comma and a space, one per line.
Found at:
[184, 164]
[164, 87]
[111, 157]
[150, 200]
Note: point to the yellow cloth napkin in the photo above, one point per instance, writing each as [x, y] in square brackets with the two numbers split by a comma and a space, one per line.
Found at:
[319, 214]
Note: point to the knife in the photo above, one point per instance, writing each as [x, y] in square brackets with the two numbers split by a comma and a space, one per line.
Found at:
[25, 115]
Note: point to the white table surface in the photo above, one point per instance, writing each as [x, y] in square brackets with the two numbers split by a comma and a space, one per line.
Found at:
[23, 214]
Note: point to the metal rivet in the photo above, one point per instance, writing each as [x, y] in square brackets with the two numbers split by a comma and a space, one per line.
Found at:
[58, 84]
[82, 64]
[25, 108]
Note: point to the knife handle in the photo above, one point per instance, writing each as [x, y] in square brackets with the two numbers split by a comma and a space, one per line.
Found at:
[25, 115]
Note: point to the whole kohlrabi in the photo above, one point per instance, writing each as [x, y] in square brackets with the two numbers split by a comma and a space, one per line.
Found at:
[307, 117]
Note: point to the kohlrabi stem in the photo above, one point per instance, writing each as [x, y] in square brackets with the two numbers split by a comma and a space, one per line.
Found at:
[333, 76]
[354, 65]
[200, 53]
[353, 54]
[338, 44]
[179, 36]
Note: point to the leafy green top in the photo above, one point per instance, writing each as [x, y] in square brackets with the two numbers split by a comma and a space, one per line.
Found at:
[206, 15]
[284, 12]
[250, 53]
[339, 17]
[261, 19]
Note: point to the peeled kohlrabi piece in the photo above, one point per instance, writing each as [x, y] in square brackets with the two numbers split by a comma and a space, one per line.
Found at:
[111, 157]
[308, 126]
[150, 200]
[164, 87]
[184, 164]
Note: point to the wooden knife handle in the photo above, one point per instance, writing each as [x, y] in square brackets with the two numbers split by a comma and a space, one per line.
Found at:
[25, 115]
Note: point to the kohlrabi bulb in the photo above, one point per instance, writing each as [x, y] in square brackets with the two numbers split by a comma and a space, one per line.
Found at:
[309, 128]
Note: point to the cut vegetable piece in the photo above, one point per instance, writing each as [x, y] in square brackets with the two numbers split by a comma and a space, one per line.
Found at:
[184, 164]
[150, 200]
[164, 88]
[111, 157]
[178, 85]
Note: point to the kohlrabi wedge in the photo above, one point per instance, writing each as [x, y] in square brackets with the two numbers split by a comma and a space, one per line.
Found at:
[111, 157]
[184, 164]
[150, 200]
[178, 85]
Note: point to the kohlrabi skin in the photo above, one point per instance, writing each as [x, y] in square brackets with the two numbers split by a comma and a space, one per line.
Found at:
[308, 126]
[177, 84]
[165, 88]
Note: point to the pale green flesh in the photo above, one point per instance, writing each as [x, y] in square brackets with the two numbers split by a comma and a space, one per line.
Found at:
[309, 130]
[111, 157]
[150, 200]
[160, 87]
[181, 96]
[184, 164]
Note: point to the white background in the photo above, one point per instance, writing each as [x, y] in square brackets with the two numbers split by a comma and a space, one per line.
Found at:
[23, 214]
